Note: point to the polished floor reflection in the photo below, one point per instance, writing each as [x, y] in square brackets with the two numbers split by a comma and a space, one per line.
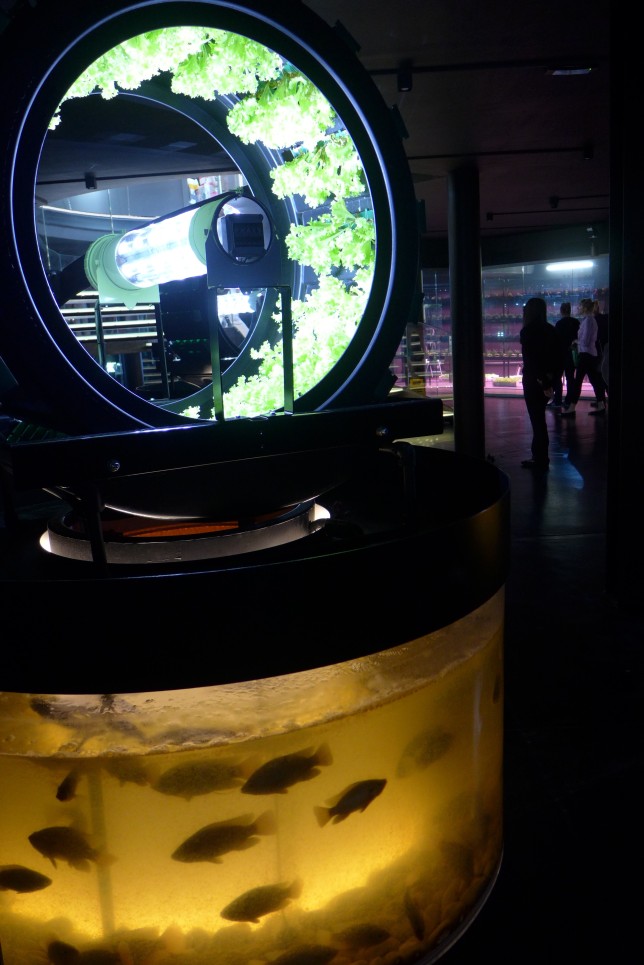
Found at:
[573, 732]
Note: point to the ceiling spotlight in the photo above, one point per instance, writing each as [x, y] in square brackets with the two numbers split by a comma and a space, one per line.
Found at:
[588, 151]
[405, 78]
[554, 201]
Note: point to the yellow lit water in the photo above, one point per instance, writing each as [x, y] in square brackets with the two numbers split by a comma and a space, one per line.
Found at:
[417, 861]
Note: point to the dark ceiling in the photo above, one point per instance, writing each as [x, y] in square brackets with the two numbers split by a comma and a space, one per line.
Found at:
[482, 94]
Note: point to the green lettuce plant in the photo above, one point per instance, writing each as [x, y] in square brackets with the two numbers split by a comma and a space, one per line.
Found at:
[276, 105]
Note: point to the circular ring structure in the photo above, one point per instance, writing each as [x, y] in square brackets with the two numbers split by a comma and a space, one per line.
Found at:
[51, 379]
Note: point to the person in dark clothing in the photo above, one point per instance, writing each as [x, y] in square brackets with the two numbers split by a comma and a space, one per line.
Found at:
[541, 353]
[602, 346]
[567, 328]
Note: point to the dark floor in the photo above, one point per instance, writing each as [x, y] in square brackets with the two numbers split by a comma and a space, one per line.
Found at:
[569, 887]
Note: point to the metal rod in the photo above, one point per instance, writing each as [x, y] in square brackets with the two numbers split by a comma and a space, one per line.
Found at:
[100, 337]
[287, 348]
[215, 356]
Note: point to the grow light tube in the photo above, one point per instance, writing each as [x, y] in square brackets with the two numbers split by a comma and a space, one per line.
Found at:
[121, 267]
[159, 252]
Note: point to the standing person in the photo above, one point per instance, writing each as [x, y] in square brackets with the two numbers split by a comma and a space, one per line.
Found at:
[602, 345]
[567, 328]
[588, 362]
[541, 352]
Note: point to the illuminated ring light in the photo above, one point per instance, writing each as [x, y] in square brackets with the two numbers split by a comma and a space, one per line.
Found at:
[47, 376]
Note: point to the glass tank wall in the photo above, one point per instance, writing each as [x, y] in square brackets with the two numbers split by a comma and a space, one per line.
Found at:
[350, 813]
[424, 358]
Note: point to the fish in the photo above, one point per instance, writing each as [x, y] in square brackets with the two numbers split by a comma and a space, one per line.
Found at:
[414, 915]
[362, 936]
[67, 787]
[200, 777]
[15, 877]
[357, 797]
[127, 770]
[215, 840]
[275, 776]
[88, 721]
[253, 904]
[424, 749]
[99, 956]
[61, 953]
[459, 858]
[306, 955]
[67, 844]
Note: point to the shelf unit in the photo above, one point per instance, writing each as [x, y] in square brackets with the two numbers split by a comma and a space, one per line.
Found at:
[424, 357]
[123, 339]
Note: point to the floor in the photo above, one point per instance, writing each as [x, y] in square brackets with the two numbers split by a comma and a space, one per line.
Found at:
[569, 882]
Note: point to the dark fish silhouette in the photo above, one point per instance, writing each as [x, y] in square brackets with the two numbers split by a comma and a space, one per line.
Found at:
[60, 953]
[201, 777]
[414, 915]
[357, 797]
[362, 936]
[15, 877]
[110, 716]
[253, 904]
[459, 858]
[277, 775]
[99, 956]
[67, 787]
[306, 955]
[423, 750]
[127, 770]
[215, 840]
[68, 845]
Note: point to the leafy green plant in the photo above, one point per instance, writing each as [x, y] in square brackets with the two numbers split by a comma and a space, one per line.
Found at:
[276, 105]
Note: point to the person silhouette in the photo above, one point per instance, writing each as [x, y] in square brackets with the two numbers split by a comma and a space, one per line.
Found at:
[567, 328]
[540, 348]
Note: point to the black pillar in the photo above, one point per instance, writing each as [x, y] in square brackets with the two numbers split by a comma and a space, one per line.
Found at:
[465, 279]
[625, 476]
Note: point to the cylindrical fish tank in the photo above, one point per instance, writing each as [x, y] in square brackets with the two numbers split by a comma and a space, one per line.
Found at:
[251, 709]
[346, 807]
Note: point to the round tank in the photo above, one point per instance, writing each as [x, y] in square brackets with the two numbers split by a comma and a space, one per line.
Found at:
[333, 795]
[349, 813]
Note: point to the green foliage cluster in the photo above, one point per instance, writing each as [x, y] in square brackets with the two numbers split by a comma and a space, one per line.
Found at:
[330, 168]
[284, 111]
[280, 108]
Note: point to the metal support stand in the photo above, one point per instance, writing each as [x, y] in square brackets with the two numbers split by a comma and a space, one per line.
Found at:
[100, 335]
[215, 357]
[163, 356]
[91, 507]
[287, 348]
